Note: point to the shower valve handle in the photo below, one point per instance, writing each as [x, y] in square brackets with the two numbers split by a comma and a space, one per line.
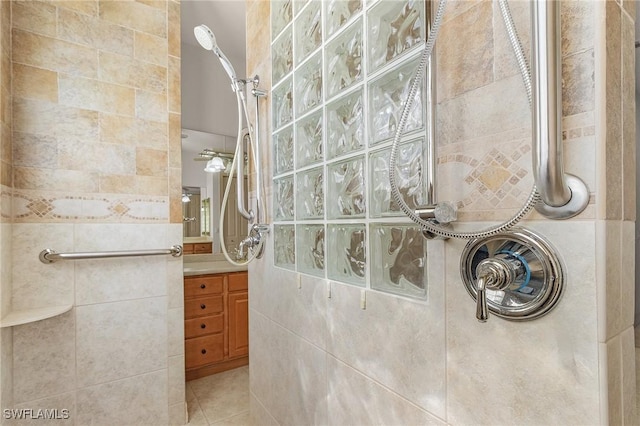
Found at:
[494, 273]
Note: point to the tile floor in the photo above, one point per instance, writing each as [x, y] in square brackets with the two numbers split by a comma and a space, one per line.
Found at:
[221, 399]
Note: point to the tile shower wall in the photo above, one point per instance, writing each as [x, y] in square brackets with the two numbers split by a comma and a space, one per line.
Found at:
[96, 167]
[6, 188]
[318, 357]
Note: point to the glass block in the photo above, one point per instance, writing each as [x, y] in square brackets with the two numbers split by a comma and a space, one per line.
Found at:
[283, 150]
[284, 245]
[409, 164]
[308, 91]
[344, 59]
[309, 139]
[346, 253]
[398, 258]
[387, 96]
[298, 5]
[394, 27]
[345, 189]
[308, 26]
[310, 249]
[345, 125]
[280, 16]
[338, 12]
[282, 98]
[283, 198]
[310, 199]
[282, 56]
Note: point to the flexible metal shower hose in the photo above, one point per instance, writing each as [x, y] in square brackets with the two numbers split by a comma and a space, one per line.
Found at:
[430, 226]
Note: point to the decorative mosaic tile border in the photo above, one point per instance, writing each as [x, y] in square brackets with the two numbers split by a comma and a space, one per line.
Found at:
[36, 206]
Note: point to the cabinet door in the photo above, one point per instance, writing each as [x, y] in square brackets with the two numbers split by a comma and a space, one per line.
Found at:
[238, 324]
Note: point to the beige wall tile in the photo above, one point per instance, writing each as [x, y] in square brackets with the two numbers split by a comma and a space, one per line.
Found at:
[175, 321]
[175, 140]
[505, 61]
[578, 26]
[151, 185]
[630, 7]
[35, 150]
[469, 56]
[96, 95]
[5, 24]
[6, 144]
[102, 158]
[109, 348]
[151, 162]
[46, 368]
[117, 129]
[134, 400]
[259, 414]
[135, 15]
[94, 32]
[175, 193]
[55, 180]
[65, 123]
[112, 280]
[174, 85]
[6, 174]
[306, 379]
[65, 401]
[356, 399]
[614, 381]
[628, 120]
[88, 7]
[151, 106]
[176, 379]
[119, 184]
[126, 71]
[56, 55]
[150, 48]
[35, 83]
[628, 390]
[173, 10]
[34, 16]
[578, 89]
[612, 199]
[178, 414]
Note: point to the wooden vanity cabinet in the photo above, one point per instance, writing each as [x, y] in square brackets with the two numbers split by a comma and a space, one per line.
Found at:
[216, 327]
[196, 248]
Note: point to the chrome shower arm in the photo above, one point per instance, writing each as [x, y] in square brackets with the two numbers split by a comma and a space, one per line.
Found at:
[563, 195]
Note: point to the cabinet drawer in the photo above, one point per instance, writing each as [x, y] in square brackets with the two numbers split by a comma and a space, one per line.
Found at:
[239, 282]
[187, 249]
[204, 350]
[202, 306]
[205, 325]
[199, 248]
[202, 286]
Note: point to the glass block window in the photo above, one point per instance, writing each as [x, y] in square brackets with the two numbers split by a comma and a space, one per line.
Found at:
[341, 73]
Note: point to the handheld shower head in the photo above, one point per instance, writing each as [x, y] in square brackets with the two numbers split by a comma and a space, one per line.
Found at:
[207, 39]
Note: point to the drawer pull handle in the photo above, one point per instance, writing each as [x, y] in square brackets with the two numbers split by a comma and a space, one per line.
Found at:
[204, 351]
[202, 286]
[203, 306]
[203, 325]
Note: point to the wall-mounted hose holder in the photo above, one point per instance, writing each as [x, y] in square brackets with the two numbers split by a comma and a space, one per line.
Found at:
[515, 275]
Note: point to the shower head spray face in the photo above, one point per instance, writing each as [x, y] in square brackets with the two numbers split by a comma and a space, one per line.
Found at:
[207, 39]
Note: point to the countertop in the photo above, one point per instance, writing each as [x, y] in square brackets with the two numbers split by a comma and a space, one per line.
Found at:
[208, 264]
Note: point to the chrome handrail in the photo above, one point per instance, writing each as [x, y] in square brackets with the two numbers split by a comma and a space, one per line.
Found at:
[50, 256]
[563, 195]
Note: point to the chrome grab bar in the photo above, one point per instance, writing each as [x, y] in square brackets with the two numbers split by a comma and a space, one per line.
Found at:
[50, 256]
[563, 195]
